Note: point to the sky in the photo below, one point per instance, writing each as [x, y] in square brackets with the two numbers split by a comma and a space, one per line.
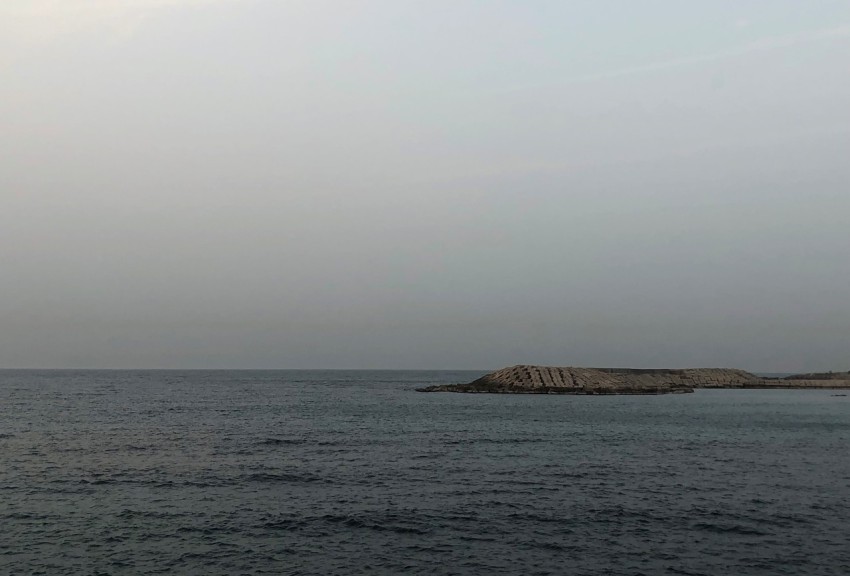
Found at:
[424, 184]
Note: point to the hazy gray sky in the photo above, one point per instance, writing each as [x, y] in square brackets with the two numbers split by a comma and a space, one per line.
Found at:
[424, 184]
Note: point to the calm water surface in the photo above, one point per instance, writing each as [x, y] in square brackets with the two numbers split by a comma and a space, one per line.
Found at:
[314, 472]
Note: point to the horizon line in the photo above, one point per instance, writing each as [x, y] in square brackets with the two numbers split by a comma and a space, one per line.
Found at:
[314, 369]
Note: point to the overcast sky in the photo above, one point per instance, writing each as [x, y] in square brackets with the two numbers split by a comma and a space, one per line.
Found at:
[424, 184]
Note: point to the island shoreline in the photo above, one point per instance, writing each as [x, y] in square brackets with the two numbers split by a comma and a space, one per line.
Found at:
[570, 380]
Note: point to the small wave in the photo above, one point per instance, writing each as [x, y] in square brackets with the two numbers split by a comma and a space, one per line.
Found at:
[184, 558]
[497, 441]
[29, 516]
[471, 538]
[777, 520]
[553, 546]
[738, 529]
[205, 530]
[122, 479]
[394, 523]
[532, 517]
[544, 477]
[285, 524]
[428, 456]
[279, 442]
[204, 484]
[390, 523]
[115, 539]
[127, 514]
[280, 477]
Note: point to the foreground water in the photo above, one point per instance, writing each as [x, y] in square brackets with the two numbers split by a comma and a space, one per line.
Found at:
[282, 472]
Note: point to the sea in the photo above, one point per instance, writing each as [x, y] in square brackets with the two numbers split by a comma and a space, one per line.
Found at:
[354, 472]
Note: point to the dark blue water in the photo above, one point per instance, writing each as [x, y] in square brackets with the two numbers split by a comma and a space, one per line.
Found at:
[161, 472]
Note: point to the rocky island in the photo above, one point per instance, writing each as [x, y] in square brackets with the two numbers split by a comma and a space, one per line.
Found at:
[526, 379]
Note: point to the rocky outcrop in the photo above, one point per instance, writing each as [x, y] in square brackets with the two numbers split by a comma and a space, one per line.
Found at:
[524, 379]
[571, 380]
[696, 377]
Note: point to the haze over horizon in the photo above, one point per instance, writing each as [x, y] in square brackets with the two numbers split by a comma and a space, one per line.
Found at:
[384, 184]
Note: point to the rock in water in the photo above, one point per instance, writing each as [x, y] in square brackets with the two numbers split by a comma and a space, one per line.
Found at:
[525, 379]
